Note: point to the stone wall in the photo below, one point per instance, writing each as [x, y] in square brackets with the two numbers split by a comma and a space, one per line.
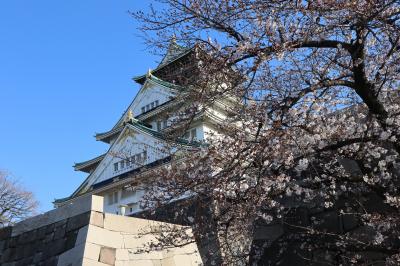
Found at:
[280, 242]
[191, 212]
[82, 234]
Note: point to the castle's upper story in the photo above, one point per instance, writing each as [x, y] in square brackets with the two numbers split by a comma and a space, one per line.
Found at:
[137, 140]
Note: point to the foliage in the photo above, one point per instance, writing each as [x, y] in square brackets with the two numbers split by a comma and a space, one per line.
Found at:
[317, 127]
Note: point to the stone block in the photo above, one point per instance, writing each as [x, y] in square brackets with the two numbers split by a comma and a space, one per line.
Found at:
[143, 263]
[97, 219]
[49, 237]
[107, 255]
[268, 232]
[122, 263]
[363, 234]
[59, 232]
[351, 167]
[29, 250]
[330, 222]
[134, 255]
[5, 232]
[92, 251]
[50, 228]
[89, 262]
[78, 221]
[3, 245]
[24, 262]
[138, 242]
[39, 245]
[71, 257]
[177, 260]
[9, 255]
[27, 237]
[121, 223]
[375, 203]
[159, 263]
[37, 257]
[97, 203]
[13, 242]
[60, 223]
[374, 258]
[324, 257]
[100, 236]
[54, 248]
[41, 232]
[82, 235]
[8, 264]
[19, 254]
[122, 254]
[51, 261]
[349, 221]
[70, 239]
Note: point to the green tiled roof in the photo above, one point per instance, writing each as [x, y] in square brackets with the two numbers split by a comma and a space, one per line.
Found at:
[110, 133]
[164, 83]
[82, 165]
[174, 53]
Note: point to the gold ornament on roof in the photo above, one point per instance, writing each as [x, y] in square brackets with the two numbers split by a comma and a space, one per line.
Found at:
[129, 116]
[148, 73]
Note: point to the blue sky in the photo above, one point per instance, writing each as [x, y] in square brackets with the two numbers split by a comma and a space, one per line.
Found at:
[65, 74]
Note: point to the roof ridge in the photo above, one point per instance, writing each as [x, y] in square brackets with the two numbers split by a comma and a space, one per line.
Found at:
[174, 50]
[88, 161]
[163, 136]
[186, 51]
[163, 82]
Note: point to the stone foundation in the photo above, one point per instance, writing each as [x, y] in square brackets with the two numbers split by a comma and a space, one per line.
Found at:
[82, 234]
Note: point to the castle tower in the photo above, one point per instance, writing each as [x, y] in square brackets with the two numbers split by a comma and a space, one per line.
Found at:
[137, 142]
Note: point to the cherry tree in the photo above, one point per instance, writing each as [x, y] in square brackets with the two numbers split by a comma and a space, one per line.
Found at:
[311, 150]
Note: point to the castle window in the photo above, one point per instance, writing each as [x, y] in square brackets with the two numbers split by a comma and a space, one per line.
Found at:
[133, 207]
[186, 136]
[112, 198]
[193, 134]
[150, 106]
[131, 161]
[128, 192]
[138, 158]
[158, 125]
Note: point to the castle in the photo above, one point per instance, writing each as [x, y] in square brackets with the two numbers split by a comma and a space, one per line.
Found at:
[137, 140]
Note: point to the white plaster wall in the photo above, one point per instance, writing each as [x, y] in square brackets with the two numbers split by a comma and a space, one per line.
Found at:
[127, 146]
[115, 207]
[149, 93]
[209, 131]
